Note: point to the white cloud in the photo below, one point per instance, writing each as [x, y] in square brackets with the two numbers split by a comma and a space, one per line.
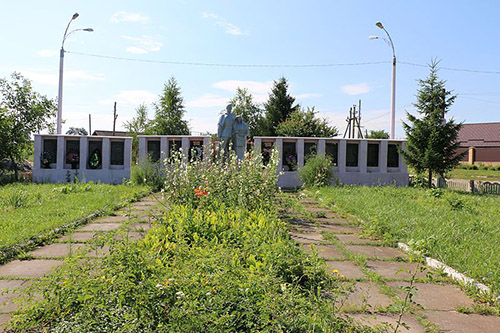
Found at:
[307, 95]
[131, 98]
[356, 89]
[69, 75]
[228, 27]
[208, 100]
[123, 16]
[47, 53]
[143, 44]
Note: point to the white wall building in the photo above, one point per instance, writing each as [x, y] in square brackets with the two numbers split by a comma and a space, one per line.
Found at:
[58, 158]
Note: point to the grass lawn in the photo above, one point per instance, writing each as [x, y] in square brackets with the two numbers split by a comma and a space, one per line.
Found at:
[484, 175]
[30, 210]
[461, 230]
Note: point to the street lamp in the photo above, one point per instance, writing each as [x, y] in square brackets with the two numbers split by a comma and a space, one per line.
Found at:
[61, 66]
[393, 93]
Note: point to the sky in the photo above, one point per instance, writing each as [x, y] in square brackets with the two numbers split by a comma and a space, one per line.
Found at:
[159, 39]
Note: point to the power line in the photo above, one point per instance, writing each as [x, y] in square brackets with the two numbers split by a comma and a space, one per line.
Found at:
[229, 65]
[451, 69]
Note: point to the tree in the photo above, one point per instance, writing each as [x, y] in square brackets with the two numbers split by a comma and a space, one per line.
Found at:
[140, 124]
[23, 112]
[169, 111]
[381, 134]
[305, 123]
[77, 131]
[279, 106]
[431, 140]
[244, 106]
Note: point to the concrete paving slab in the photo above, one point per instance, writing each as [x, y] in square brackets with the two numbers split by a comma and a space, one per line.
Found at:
[131, 235]
[332, 220]
[4, 319]
[340, 229]
[366, 296]
[349, 238]
[435, 296]
[307, 237]
[100, 227]
[58, 250]
[316, 210]
[29, 268]
[111, 219]
[140, 226]
[395, 270]
[346, 268]
[388, 322]
[304, 228]
[9, 290]
[328, 252]
[379, 252]
[463, 323]
[78, 236]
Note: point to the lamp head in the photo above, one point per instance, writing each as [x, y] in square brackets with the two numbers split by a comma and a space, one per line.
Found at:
[88, 29]
[373, 37]
[379, 24]
[75, 15]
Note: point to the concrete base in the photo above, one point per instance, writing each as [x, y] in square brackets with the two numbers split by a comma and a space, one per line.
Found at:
[61, 175]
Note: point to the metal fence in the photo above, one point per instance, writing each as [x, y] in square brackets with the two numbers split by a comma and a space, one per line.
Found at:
[471, 186]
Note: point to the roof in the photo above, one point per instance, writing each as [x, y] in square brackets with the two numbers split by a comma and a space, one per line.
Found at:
[109, 133]
[480, 135]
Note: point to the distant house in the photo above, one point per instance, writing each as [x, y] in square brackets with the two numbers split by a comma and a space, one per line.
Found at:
[481, 142]
[110, 133]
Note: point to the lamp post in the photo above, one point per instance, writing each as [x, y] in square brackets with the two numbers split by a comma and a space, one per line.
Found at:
[393, 93]
[61, 66]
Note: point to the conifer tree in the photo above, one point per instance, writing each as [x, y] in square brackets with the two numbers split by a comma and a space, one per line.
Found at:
[169, 111]
[431, 139]
[279, 106]
[244, 106]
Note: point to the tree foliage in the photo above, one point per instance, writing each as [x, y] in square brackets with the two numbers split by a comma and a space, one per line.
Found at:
[169, 111]
[380, 134]
[252, 114]
[305, 123]
[77, 131]
[23, 112]
[140, 124]
[279, 106]
[431, 140]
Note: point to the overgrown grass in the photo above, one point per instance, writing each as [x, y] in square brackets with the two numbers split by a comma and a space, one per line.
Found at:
[462, 230]
[480, 174]
[32, 210]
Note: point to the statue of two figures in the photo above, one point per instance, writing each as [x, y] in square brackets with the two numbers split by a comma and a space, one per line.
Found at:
[233, 130]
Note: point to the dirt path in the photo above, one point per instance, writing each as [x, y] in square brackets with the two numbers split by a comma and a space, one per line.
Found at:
[375, 279]
[18, 274]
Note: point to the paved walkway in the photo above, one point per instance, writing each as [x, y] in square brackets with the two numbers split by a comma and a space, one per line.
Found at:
[18, 274]
[373, 278]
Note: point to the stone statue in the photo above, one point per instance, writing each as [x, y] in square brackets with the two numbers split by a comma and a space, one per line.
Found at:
[225, 129]
[240, 133]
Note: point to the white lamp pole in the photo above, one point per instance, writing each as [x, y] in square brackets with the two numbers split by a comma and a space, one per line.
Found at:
[61, 66]
[393, 93]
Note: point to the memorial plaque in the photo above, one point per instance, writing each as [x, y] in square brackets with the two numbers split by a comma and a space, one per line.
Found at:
[310, 150]
[117, 152]
[289, 156]
[154, 150]
[331, 150]
[50, 149]
[372, 158]
[352, 154]
[392, 156]
[174, 145]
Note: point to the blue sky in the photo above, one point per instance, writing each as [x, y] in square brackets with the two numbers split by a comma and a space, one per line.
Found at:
[463, 34]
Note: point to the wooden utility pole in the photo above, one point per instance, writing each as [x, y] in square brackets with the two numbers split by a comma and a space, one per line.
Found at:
[353, 122]
[114, 119]
[90, 124]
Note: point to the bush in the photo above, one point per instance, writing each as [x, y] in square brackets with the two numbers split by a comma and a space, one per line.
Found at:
[148, 173]
[317, 171]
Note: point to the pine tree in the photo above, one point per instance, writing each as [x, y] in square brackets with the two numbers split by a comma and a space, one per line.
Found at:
[244, 106]
[431, 140]
[279, 106]
[169, 111]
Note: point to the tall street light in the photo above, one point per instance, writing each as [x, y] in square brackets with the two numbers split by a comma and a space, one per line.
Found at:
[61, 66]
[393, 93]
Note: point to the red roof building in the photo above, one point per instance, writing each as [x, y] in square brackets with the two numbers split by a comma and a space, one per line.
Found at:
[481, 142]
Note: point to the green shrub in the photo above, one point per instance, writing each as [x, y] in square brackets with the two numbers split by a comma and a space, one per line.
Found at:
[317, 171]
[148, 173]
